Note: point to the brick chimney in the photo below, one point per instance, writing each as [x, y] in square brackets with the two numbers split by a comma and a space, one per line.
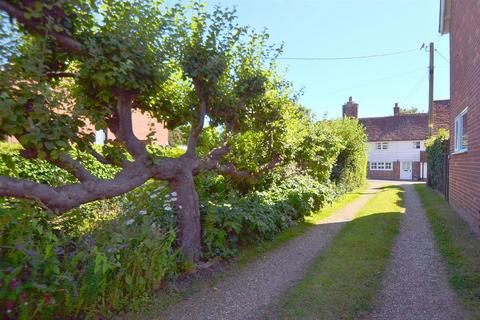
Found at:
[396, 109]
[350, 109]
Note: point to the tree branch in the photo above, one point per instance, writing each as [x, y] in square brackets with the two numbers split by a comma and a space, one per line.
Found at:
[64, 198]
[72, 166]
[33, 26]
[125, 127]
[195, 131]
[59, 74]
[65, 162]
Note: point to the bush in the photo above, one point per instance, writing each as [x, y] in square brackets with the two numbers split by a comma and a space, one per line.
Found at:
[350, 169]
[232, 220]
[437, 151]
[46, 272]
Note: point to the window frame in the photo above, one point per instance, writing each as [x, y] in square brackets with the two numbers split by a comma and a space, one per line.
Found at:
[381, 166]
[381, 145]
[417, 145]
[459, 146]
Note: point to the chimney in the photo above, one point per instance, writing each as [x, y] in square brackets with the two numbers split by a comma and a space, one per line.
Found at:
[396, 109]
[350, 109]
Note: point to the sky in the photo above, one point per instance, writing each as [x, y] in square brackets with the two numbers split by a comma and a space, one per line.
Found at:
[346, 28]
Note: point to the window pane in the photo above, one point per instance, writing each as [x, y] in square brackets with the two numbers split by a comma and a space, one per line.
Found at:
[464, 131]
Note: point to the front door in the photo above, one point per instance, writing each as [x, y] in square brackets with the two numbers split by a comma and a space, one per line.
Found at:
[406, 170]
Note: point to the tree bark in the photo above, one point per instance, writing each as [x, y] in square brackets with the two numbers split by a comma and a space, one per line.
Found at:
[188, 214]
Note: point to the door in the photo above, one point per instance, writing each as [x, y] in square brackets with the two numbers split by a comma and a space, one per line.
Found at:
[406, 170]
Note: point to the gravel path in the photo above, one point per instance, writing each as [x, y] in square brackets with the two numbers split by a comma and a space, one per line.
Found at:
[415, 284]
[244, 294]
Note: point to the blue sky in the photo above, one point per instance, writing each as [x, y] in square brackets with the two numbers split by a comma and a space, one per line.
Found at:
[342, 28]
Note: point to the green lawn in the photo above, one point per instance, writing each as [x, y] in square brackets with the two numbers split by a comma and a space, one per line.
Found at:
[459, 247]
[250, 253]
[342, 281]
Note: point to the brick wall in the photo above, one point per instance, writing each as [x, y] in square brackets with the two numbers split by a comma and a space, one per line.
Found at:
[142, 126]
[441, 115]
[465, 91]
[393, 174]
[416, 170]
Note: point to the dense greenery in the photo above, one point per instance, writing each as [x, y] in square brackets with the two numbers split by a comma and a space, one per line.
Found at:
[62, 265]
[437, 151]
[89, 231]
[459, 246]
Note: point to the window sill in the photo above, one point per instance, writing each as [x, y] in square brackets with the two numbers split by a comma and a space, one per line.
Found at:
[459, 152]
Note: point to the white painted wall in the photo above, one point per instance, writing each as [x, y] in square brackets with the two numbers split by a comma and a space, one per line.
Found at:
[397, 150]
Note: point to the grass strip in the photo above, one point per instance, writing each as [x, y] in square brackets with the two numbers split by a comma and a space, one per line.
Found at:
[342, 281]
[459, 246]
[250, 253]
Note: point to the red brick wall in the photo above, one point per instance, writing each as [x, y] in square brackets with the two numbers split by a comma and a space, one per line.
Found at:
[142, 125]
[393, 174]
[465, 92]
[441, 115]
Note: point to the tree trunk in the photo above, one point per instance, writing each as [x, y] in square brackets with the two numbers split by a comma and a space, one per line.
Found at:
[188, 215]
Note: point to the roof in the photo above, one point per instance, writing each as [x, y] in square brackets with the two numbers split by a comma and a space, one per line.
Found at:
[403, 127]
[445, 16]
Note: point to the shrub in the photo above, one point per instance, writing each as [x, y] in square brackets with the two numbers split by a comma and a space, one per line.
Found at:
[350, 169]
[437, 151]
[232, 220]
[47, 273]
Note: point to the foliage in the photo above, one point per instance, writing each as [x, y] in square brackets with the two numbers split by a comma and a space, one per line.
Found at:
[437, 151]
[49, 272]
[350, 169]
[233, 220]
[411, 110]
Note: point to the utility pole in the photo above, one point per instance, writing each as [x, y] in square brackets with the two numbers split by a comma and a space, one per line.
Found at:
[430, 90]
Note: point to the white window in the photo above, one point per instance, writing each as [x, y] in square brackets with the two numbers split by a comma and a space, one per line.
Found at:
[461, 130]
[416, 144]
[385, 166]
[382, 145]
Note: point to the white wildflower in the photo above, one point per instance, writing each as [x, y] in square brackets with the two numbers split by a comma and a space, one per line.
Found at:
[142, 212]
[153, 195]
[129, 222]
[167, 208]
[174, 194]
[173, 199]
[153, 225]
[180, 207]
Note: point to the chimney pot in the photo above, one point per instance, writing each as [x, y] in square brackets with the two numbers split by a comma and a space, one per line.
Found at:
[396, 109]
[350, 99]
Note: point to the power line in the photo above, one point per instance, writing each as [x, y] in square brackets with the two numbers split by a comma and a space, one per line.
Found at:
[441, 55]
[348, 58]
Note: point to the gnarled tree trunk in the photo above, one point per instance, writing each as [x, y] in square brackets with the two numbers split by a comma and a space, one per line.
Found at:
[188, 214]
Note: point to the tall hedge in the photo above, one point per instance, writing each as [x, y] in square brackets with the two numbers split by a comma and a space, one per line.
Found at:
[437, 150]
[350, 169]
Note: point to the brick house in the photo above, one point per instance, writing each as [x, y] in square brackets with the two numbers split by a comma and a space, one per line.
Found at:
[396, 144]
[143, 125]
[460, 18]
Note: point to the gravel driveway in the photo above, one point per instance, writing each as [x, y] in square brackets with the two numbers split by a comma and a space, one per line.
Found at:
[415, 284]
[250, 289]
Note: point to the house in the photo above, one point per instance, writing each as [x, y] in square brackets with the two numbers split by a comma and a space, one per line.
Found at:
[397, 143]
[459, 18]
[144, 127]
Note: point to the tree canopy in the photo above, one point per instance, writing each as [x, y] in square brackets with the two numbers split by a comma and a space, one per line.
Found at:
[71, 63]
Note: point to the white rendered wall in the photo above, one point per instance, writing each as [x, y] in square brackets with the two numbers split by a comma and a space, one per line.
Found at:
[397, 150]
